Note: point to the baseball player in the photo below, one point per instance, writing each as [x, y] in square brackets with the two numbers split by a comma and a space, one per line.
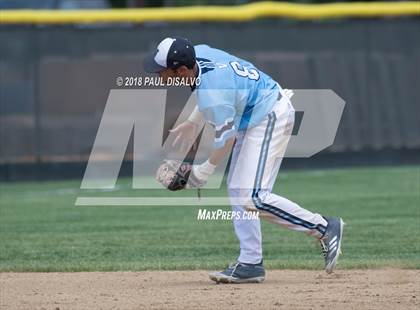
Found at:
[253, 114]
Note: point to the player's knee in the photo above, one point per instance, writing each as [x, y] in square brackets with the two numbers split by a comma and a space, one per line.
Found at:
[260, 197]
[264, 194]
[241, 197]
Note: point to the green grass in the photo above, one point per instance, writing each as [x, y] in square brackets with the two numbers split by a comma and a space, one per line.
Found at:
[42, 230]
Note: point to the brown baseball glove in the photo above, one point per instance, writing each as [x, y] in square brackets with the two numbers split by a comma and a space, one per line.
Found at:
[176, 175]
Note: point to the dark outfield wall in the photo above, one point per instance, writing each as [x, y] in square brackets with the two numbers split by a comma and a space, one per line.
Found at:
[55, 80]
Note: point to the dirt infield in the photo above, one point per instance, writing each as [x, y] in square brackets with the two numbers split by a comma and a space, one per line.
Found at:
[283, 289]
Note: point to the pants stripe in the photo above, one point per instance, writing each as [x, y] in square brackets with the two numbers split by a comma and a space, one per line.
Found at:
[258, 178]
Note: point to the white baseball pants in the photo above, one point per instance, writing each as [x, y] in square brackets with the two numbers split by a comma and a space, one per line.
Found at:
[255, 163]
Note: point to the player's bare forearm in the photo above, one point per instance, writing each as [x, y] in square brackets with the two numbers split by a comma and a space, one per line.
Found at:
[202, 172]
[217, 155]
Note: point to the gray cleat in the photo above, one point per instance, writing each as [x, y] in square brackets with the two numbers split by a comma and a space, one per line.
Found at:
[331, 242]
[240, 273]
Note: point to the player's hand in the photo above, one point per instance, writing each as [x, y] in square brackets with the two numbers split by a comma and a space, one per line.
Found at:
[186, 134]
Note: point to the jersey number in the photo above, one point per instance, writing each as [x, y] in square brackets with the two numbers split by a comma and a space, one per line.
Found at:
[250, 73]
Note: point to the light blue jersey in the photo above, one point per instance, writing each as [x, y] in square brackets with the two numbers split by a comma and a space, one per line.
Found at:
[232, 94]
